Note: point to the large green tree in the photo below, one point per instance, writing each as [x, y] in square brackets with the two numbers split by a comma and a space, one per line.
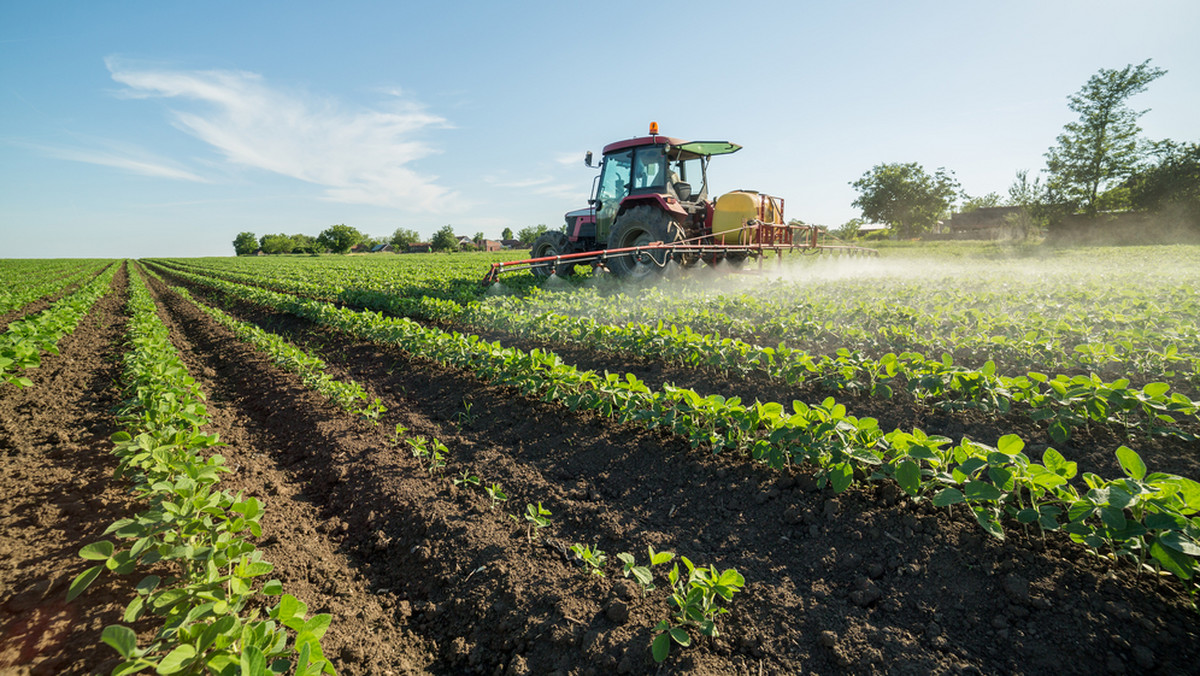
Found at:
[1102, 147]
[507, 234]
[339, 238]
[403, 237]
[445, 240]
[905, 196]
[276, 244]
[528, 235]
[245, 244]
[302, 243]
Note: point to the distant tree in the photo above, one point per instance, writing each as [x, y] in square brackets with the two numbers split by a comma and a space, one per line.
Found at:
[1033, 211]
[528, 235]
[1171, 183]
[478, 239]
[445, 240]
[339, 238]
[849, 229]
[245, 244]
[302, 243]
[1102, 147]
[403, 237]
[972, 203]
[507, 234]
[905, 197]
[276, 244]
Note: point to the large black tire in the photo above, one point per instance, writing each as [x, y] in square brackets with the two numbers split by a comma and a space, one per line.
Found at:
[553, 243]
[640, 226]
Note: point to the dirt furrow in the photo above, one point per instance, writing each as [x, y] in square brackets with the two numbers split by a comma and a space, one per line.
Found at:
[58, 495]
[862, 581]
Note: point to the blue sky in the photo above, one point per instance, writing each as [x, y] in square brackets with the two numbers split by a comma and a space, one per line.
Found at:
[132, 129]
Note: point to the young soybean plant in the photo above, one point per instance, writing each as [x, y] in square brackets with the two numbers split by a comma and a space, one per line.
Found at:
[538, 518]
[642, 574]
[592, 556]
[696, 599]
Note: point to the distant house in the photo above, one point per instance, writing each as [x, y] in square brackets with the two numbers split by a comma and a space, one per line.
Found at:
[981, 223]
[420, 247]
[490, 245]
[513, 244]
[359, 248]
[381, 247]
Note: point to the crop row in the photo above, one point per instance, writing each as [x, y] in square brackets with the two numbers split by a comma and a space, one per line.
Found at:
[1151, 518]
[1064, 402]
[24, 341]
[1047, 330]
[24, 284]
[195, 538]
[347, 394]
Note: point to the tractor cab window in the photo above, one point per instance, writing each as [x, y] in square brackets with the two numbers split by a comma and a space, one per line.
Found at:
[691, 172]
[649, 168]
[614, 179]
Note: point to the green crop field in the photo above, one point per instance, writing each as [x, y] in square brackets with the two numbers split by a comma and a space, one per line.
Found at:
[915, 458]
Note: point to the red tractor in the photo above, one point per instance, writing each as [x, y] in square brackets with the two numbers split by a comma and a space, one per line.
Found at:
[650, 206]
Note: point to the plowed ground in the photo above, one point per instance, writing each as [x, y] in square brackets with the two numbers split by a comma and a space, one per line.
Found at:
[423, 576]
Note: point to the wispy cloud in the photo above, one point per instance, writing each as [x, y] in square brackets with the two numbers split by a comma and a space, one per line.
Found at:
[120, 156]
[358, 156]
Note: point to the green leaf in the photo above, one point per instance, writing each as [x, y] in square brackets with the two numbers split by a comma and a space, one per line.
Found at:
[1112, 517]
[121, 638]
[82, 581]
[841, 476]
[317, 624]
[1180, 543]
[908, 475]
[1060, 432]
[660, 648]
[1174, 561]
[97, 551]
[273, 588]
[981, 491]
[253, 662]
[947, 497]
[177, 660]
[1010, 444]
[1131, 462]
[1153, 390]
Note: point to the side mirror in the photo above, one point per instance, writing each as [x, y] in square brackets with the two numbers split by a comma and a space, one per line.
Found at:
[587, 159]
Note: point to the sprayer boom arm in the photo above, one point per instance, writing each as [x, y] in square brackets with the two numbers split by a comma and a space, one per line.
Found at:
[762, 237]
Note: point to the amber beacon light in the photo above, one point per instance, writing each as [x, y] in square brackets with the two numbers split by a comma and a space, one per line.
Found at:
[654, 129]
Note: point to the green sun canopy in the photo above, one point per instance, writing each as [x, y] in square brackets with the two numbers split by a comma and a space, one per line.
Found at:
[709, 148]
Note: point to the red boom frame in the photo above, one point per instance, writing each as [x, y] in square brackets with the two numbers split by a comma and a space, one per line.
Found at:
[764, 237]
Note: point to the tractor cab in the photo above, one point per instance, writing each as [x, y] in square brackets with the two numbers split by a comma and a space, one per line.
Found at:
[660, 170]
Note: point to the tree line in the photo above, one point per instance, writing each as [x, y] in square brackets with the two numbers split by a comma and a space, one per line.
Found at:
[1100, 163]
[342, 238]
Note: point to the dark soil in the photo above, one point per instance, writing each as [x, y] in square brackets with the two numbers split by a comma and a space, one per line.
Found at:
[423, 576]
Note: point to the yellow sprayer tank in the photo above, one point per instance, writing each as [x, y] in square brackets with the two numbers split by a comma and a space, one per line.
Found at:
[733, 209]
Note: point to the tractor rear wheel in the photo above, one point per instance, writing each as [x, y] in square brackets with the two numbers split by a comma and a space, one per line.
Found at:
[553, 243]
[640, 226]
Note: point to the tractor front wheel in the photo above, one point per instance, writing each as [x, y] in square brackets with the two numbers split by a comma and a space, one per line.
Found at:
[553, 243]
[641, 226]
